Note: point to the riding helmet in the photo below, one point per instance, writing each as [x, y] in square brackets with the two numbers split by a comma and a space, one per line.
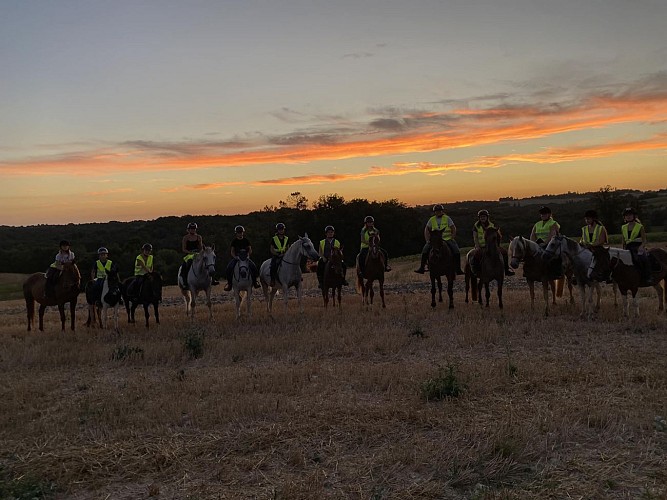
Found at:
[279, 226]
[64, 243]
[147, 246]
[544, 210]
[629, 211]
[102, 250]
[483, 212]
[239, 229]
[438, 207]
[192, 225]
[329, 228]
[369, 218]
[592, 214]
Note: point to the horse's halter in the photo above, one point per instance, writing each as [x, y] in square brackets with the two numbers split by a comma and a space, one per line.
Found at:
[205, 257]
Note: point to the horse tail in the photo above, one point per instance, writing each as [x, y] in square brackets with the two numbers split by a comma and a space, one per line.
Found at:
[359, 284]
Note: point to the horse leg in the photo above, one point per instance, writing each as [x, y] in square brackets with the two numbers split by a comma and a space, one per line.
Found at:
[248, 299]
[433, 291]
[545, 293]
[381, 283]
[127, 310]
[237, 303]
[584, 299]
[72, 312]
[626, 303]
[298, 298]
[30, 310]
[371, 291]
[500, 293]
[325, 295]
[450, 291]
[661, 304]
[61, 310]
[147, 313]
[552, 284]
[467, 282]
[209, 304]
[598, 290]
[487, 292]
[42, 308]
[635, 303]
[531, 289]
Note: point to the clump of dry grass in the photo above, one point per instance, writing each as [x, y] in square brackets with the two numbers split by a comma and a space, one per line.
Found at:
[329, 404]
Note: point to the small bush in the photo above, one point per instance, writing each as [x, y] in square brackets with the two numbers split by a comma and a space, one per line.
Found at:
[126, 352]
[23, 487]
[444, 385]
[194, 344]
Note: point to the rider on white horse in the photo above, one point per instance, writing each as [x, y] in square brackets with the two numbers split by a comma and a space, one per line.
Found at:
[99, 271]
[191, 245]
[277, 248]
[240, 242]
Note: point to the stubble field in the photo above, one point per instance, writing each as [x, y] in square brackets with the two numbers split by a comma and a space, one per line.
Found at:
[335, 403]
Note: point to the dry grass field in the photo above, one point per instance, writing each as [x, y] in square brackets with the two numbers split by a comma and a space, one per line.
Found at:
[339, 403]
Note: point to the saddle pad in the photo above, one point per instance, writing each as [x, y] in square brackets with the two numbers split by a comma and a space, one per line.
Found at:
[623, 255]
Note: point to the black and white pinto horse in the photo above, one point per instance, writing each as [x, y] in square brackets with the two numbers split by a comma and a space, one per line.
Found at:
[288, 272]
[149, 292]
[98, 307]
[242, 283]
[580, 258]
[200, 277]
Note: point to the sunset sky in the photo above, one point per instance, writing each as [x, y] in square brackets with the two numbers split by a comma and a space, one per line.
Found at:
[128, 110]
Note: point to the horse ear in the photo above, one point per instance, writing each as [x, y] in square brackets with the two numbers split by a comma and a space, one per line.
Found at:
[305, 235]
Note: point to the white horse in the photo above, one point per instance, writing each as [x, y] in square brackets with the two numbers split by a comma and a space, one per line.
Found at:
[200, 276]
[535, 268]
[580, 257]
[242, 283]
[288, 272]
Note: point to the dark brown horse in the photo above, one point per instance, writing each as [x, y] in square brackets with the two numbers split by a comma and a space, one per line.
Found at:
[66, 290]
[374, 267]
[441, 263]
[627, 276]
[148, 292]
[333, 277]
[491, 268]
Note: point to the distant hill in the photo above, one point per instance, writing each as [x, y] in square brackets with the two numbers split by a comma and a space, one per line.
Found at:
[27, 249]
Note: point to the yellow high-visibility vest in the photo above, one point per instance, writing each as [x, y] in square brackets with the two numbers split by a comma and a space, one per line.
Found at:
[441, 225]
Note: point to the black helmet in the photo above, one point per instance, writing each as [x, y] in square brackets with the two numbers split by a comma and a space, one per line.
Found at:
[544, 210]
[147, 246]
[64, 243]
[483, 212]
[629, 211]
[192, 225]
[369, 218]
[102, 250]
[438, 207]
[329, 228]
[591, 214]
[279, 226]
[239, 229]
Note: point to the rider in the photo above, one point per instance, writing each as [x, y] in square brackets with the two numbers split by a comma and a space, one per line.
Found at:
[191, 244]
[542, 232]
[367, 231]
[240, 242]
[442, 222]
[326, 245]
[99, 272]
[484, 222]
[63, 256]
[593, 234]
[277, 248]
[634, 239]
[143, 265]
[545, 228]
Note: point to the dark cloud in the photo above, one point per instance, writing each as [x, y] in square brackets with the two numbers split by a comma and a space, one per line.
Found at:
[387, 124]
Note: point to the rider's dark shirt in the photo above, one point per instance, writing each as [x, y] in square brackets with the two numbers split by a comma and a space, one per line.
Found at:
[240, 244]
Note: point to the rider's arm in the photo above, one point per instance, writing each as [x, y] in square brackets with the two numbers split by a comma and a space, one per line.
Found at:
[427, 234]
[602, 237]
[184, 245]
[642, 234]
[533, 236]
[475, 238]
[452, 228]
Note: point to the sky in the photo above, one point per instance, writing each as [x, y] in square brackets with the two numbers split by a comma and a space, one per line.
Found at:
[133, 110]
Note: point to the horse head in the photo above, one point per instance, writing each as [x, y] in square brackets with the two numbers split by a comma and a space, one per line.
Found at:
[600, 263]
[243, 254]
[435, 238]
[374, 245]
[554, 247]
[71, 277]
[207, 259]
[306, 248]
[517, 251]
[155, 291]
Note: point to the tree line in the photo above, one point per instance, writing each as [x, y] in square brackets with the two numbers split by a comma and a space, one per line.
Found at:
[32, 248]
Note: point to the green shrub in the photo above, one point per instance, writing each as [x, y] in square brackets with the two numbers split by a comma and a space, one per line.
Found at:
[444, 385]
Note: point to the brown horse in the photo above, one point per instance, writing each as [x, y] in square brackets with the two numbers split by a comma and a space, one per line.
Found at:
[491, 267]
[66, 290]
[441, 263]
[628, 276]
[333, 277]
[374, 267]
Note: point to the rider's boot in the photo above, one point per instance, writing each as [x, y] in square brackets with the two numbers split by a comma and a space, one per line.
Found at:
[422, 266]
[228, 286]
[214, 282]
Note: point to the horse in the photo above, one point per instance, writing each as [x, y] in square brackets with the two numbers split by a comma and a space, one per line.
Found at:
[150, 292]
[242, 283]
[580, 258]
[333, 277]
[626, 275]
[535, 268]
[66, 289]
[373, 271]
[441, 263]
[98, 307]
[288, 272]
[199, 279]
[491, 268]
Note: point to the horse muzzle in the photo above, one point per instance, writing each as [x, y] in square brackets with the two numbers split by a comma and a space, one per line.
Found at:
[514, 263]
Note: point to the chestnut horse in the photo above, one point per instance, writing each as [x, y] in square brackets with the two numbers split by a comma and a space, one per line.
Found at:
[627, 276]
[441, 263]
[373, 271]
[491, 267]
[333, 277]
[66, 290]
